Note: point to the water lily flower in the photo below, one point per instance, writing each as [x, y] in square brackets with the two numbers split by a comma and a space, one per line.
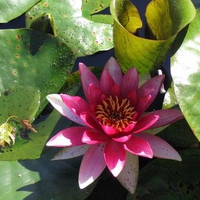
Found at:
[112, 123]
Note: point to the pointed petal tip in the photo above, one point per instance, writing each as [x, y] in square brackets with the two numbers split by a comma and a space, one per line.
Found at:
[52, 97]
[81, 65]
[86, 183]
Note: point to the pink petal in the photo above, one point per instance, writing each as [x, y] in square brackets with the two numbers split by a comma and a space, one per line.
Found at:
[60, 106]
[68, 137]
[71, 152]
[92, 136]
[130, 127]
[160, 147]
[114, 69]
[151, 87]
[76, 104]
[129, 82]
[143, 104]
[94, 94]
[106, 82]
[139, 146]
[122, 137]
[90, 120]
[92, 165]
[115, 157]
[128, 177]
[145, 122]
[166, 117]
[132, 96]
[87, 78]
[109, 130]
[115, 90]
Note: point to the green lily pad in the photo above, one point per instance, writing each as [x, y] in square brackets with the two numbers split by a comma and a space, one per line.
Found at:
[185, 69]
[91, 9]
[33, 59]
[11, 9]
[165, 19]
[19, 101]
[41, 179]
[75, 25]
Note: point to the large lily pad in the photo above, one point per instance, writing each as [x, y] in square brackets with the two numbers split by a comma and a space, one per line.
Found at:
[185, 69]
[165, 19]
[11, 9]
[74, 24]
[33, 59]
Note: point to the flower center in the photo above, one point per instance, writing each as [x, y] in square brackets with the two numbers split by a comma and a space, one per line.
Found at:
[116, 113]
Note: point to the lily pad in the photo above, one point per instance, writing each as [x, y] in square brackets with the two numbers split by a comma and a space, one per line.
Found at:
[185, 69]
[33, 59]
[165, 19]
[75, 25]
[19, 101]
[11, 9]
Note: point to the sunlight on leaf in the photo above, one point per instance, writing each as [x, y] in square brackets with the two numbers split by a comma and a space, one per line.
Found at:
[11, 9]
[143, 53]
[83, 35]
[185, 69]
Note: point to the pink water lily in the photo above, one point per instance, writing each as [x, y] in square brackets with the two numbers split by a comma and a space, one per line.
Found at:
[112, 123]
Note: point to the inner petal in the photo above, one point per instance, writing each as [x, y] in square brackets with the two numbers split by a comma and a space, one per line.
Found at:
[116, 113]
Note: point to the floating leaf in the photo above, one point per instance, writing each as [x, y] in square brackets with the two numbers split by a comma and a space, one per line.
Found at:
[83, 35]
[11, 9]
[91, 9]
[20, 101]
[185, 69]
[33, 59]
[165, 18]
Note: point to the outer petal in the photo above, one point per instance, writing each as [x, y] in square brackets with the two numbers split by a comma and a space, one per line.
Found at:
[129, 82]
[145, 122]
[129, 175]
[115, 157]
[93, 136]
[92, 165]
[151, 87]
[167, 117]
[71, 152]
[60, 106]
[139, 146]
[76, 104]
[68, 137]
[114, 69]
[160, 147]
[87, 78]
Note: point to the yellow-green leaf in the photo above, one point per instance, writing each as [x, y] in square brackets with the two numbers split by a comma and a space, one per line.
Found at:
[145, 54]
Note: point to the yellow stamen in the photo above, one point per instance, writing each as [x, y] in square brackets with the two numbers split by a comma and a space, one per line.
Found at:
[115, 112]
